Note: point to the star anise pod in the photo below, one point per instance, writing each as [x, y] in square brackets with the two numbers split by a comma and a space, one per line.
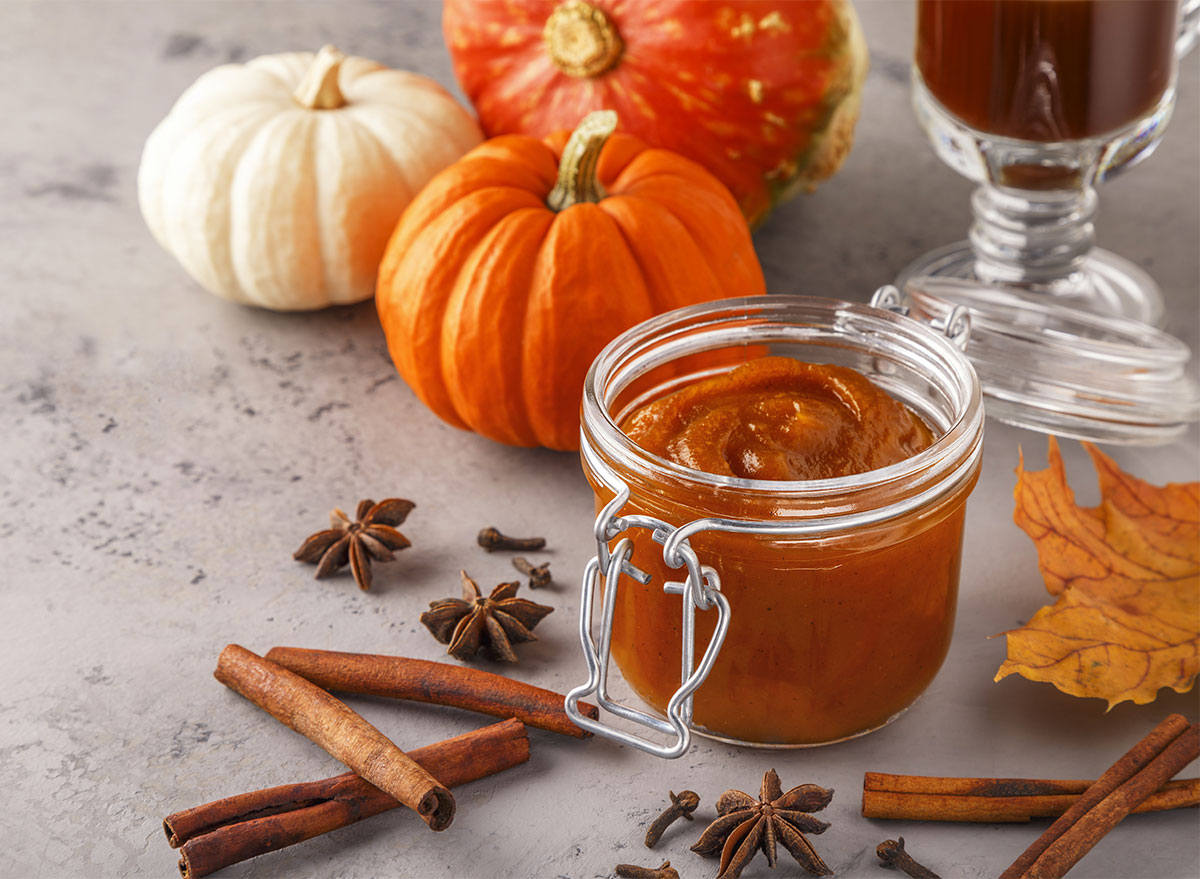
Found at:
[371, 536]
[494, 623]
[747, 824]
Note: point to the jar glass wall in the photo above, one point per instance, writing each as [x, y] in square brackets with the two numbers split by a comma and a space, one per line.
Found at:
[842, 592]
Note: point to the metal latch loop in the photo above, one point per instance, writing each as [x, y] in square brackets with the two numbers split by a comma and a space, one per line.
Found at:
[955, 325]
[700, 590]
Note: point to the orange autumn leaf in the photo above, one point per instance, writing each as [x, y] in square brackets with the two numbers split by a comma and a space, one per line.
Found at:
[1127, 577]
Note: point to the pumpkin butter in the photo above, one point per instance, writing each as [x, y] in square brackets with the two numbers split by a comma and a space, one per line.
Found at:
[829, 636]
[779, 418]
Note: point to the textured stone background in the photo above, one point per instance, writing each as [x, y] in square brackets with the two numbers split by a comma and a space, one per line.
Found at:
[164, 451]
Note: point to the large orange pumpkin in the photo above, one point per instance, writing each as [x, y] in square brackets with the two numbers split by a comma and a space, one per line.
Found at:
[512, 269]
[763, 93]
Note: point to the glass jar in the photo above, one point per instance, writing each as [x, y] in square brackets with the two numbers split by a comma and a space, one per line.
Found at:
[834, 598]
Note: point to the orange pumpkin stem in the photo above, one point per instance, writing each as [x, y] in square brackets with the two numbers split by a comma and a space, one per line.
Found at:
[577, 181]
[319, 88]
[581, 39]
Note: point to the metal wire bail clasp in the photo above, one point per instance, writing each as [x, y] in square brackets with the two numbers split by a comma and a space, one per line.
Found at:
[954, 325]
[701, 590]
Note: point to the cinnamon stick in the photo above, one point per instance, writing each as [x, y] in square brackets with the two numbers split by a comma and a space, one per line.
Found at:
[439, 683]
[995, 800]
[231, 830]
[333, 725]
[1142, 770]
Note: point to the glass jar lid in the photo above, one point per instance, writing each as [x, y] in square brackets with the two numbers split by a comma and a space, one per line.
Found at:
[1061, 370]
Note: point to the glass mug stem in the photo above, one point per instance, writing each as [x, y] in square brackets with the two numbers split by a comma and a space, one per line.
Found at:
[1033, 238]
[1034, 213]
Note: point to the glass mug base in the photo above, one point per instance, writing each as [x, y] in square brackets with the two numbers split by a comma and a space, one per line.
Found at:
[1102, 283]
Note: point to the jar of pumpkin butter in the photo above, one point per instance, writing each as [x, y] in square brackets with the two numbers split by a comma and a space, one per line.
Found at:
[781, 484]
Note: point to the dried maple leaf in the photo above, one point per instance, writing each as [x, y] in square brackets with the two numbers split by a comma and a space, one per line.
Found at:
[1127, 577]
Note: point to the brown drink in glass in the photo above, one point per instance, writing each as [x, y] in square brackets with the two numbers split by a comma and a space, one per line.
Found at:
[1047, 70]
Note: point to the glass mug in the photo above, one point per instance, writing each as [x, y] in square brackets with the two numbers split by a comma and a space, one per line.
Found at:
[1039, 100]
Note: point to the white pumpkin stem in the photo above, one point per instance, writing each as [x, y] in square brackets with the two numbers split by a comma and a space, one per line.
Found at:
[319, 88]
[577, 181]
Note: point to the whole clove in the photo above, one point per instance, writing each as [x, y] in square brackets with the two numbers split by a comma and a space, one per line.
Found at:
[892, 853]
[632, 871]
[682, 806]
[492, 540]
[539, 575]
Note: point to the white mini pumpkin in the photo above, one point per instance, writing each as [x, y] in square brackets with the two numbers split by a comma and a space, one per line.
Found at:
[278, 182]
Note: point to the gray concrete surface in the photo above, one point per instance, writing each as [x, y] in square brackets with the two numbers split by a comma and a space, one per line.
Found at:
[164, 451]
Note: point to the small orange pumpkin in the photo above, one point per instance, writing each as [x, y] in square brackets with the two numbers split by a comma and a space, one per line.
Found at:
[512, 269]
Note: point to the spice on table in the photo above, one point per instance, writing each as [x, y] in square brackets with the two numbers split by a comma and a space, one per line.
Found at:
[892, 853]
[492, 540]
[234, 829]
[493, 624]
[747, 824]
[1142, 770]
[539, 575]
[993, 800]
[682, 806]
[437, 683]
[633, 871]
[338, 729]
[372, 535]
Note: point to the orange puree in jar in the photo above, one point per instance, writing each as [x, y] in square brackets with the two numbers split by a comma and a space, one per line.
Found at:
[829, 635]
[779, 418]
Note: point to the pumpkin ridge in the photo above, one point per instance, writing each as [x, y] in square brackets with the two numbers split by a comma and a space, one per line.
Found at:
[512, 153]
[159, 158]
[654, 166]
[485, 316]
[221, 237]
[294, 271]
[323, 198]
[373, 85]
[195, 100]
[368, 126]
[359, 152]
[417, 218]
[419, 270]
[613, 212]
[271, 66]
[665, 224]
[600, 287]
[449, 141]
[470, 37]
[531, 89]
[357, 71]
[741, 278]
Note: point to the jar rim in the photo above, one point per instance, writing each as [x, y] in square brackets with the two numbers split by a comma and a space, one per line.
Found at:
[955, 442]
